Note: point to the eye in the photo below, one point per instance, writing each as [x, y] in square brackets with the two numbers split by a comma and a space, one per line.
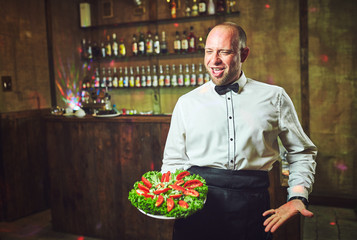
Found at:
[226, 52]
[208, 51]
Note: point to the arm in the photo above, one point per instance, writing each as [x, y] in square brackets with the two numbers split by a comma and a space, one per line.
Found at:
[301, 158]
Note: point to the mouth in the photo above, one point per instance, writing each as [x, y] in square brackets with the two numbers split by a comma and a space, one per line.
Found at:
[217, 71]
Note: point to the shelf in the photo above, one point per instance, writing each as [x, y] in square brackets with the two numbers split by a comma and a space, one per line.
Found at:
[163, 21]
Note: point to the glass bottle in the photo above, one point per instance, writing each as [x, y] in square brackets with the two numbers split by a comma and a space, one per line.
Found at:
[141, 45]
[167, 80]
[143, 77]
[103, 50]
[156, 44]
[89, 49]
[131, 77]
[121, 78]
[184, 43]
[180, 77]
[193, 79]
[177, 43]
[192, 41]
[211, 9]
[161, 76]
[173, 76]
[137, 77]
[200, 74]
[149, 44]
[108, 47]
[103, 83]
[115, 78]
[109, 78]
[122, 48]
[155, 81]
[134, 46]
[163, 45]
[200, 45]
[148, 77]
[173, 8]
[187, 9]
[115, 46]
[84, 52]
[97, 78]
[126, 77]
[206, 77]
[187, 76]
[194, 8]
[202, 7]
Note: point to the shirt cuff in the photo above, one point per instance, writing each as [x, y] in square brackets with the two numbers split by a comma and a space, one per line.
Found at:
[298, 191]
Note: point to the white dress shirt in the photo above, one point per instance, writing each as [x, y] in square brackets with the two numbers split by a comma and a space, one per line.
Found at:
[240, 131]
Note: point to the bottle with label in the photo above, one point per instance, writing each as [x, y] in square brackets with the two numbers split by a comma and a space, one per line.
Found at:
[115, 78]
[155, 81]
[187, 76]
[134, 46]
[156, 44]
[108, 47]
[206, 77]
[103, 50]
[122, 48]
[200, 45]
[194, 8]
[137, 77]
[148, 77]
[161, 76]
[180, 77]
[193, 79]
[143, 77]
[173, 76]
[167, 80]
[84, 52]
[97, 78]
[89, 50]
[192, 45]
[184, 43]
[115, 46]
[121, 78]
[131, 77]
[149, 44]
[141, 45]
[173, 8]
[163, 46]
[211, 9]
[109, 78]
[200, 74]
[126, 77]
[177, 43]
[103, 83]
[187, 9]
[202, 7]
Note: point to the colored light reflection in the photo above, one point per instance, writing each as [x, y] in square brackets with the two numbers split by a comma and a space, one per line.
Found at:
[341, 166]
[176, 25]
[332, 223]
[324, 58]
[80, 238]
[267, 6]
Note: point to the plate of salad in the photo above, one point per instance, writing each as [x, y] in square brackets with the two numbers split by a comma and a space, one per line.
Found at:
[169, 195]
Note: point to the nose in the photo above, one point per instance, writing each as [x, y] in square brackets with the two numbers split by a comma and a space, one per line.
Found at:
[215, 58]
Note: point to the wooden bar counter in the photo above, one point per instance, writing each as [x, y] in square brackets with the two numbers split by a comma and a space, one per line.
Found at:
[93, 164]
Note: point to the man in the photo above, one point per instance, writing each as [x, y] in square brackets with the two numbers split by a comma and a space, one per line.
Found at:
[229, 136]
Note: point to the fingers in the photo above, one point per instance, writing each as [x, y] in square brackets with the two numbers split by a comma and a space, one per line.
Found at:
[272, 223]
[271, 211]
[306, 213]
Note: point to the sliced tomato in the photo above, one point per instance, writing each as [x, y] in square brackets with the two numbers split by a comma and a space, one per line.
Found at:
[190, 182]
[148, 195]
[160, 185]
[183, 204]
[163, 177]
[182, 175]
[146, 182]
[175, 196]
[179, 182]
[176, 187]
[168, 176]
[144, 188]
[159, 200]
[157, 192]
[194, 185]
[140, 192]
[170, 204]
[191, 192]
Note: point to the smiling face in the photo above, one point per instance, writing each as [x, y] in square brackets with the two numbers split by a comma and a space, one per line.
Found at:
[223, 57]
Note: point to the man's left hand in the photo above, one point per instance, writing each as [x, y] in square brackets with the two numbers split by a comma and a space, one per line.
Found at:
[280, 215]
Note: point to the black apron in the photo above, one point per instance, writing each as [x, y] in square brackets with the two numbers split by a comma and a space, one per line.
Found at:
[235, 203]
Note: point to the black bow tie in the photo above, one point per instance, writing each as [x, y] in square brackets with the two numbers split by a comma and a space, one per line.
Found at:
[225, 88]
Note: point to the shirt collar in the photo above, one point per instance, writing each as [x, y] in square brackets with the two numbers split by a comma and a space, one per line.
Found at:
[241, 82]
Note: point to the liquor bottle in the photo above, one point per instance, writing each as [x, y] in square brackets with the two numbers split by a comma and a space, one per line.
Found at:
[109, 78]
[137, 77]
[173, 8]
[115, 78]
[108, 47]
[115, 46]
[200, 45]
[202, 7]
[187, 76]
[126, 77]
[194, 8]
[155, 81]
[141, 45]
[211, 9]
[103, 50]
[143, 77]
[167, 80]
[156, 44]
[184, 43]
[149, 44]
[134, 46]
[161, 76]
[89, 50]
[122, 48]
[103, 83]
[177, 43]
[221, 8]
[180, 77]
[173, 76]
[148, 77]
[163, 46]
[193, 79]
[187, 9]
[96, 51]
[131, 77]
[97, 78]
[121, 78]
[84, 52]
[206, 77]
[192, 45]
[200, 74]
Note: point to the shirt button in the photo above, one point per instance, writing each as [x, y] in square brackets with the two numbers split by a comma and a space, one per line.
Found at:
[229, 98]
[230, 117]
[231, 139]
[231, 161]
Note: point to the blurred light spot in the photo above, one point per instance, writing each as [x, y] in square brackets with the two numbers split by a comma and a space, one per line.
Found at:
[111, 63]
[332, 223]
[152, 166]
[313, 9]
[267, 5]
[176, 25]
[341, 166]
[324, 57]
[80, 238]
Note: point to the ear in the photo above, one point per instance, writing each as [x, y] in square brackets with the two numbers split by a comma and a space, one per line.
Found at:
[244, 54]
